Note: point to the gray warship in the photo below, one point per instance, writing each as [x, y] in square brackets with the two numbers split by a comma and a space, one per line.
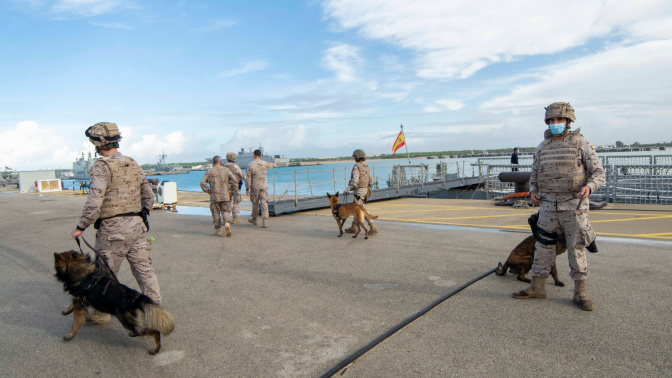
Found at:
[81, 168]
[245, 157]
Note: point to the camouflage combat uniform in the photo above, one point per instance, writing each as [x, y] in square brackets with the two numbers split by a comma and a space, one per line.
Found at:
[221, 181]
[119, 187]
[559, 171]
[256, 183]
[361, 184]
[236, 197]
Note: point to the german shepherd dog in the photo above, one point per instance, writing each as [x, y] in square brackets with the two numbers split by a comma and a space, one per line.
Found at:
[92, 286]
[522, 256]
[342, 212]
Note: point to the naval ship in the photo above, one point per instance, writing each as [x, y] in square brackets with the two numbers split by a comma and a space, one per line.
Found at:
[166, 169]
[245, 157]
[81, 168]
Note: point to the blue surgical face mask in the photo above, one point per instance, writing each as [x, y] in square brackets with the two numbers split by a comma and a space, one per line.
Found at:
[557, 128]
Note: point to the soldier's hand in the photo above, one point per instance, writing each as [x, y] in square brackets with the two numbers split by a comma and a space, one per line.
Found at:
[535, 197]
[585, 192]
[76, 233]
[345, 191]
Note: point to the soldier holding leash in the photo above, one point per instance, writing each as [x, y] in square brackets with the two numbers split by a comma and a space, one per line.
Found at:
[565, 171]
[361, 183]
[120, 198]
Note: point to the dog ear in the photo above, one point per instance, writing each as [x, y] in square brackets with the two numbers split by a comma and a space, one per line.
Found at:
[336, 194]
[328, 195]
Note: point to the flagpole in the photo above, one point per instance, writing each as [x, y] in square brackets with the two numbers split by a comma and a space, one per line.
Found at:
[405, 144]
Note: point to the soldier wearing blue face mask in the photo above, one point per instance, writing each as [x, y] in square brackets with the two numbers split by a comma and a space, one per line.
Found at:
[565, 170]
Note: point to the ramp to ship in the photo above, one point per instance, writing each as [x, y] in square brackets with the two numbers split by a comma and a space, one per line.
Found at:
[292, 205]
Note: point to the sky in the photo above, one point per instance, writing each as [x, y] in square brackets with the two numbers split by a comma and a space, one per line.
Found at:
[321, 78]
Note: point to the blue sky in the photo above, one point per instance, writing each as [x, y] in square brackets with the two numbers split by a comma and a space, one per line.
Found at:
[322, 78]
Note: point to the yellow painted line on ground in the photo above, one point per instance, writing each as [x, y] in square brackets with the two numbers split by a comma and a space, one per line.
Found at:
[513, 227]
[630, 219]
[476, 217]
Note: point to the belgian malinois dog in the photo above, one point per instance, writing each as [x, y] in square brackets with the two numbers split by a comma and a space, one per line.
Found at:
[522, 256]
[342, 212]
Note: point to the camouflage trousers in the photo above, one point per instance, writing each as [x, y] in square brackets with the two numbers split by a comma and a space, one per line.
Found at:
[361, 193]
[236, 199]
[578, 233]
[220, 210]
[259, 198]
[126, 238]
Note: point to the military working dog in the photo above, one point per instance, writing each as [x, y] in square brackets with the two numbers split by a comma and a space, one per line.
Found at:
[522, 256]
[93, 286]
[341, 212]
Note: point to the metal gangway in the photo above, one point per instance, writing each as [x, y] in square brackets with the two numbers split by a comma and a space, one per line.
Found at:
[305, 190]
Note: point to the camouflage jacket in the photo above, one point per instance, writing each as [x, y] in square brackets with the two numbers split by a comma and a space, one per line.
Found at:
[360, 177]
[237, 172]
[256, 174]
[221, 182]
[101, 183]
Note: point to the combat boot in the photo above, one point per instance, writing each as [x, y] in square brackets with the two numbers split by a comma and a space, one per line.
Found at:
[252, 220]
[236, 220]
[227, 227]
[218, 231]
[264, 222]
[581, 298]
[97, 317]
[536, 290]
[352, 229]
[373, 228]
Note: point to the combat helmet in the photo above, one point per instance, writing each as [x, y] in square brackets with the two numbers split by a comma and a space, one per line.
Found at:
[230, 156]
[358, 154]
[104, 135]
[560, 110]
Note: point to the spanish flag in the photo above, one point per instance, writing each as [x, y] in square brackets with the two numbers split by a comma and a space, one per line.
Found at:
[398, 143]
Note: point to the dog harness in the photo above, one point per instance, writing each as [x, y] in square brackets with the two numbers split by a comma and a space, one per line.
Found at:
[335, 211]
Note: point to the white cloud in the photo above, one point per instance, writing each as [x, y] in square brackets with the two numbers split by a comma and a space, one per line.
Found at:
[451, 104]
[89, 8]
[344, 60]
[455, 39]
[112, 25]
[248, 67]
[28, 146]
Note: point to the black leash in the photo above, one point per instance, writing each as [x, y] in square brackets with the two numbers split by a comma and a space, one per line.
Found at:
[99, 256]
[399, 326]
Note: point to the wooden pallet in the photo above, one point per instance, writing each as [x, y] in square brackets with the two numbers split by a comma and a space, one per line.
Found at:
[166, 206]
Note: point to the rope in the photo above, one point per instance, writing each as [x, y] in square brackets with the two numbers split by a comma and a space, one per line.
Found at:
[98, 255]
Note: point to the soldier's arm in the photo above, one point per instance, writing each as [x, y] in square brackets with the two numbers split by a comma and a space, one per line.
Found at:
[594, 168]
[354, 178]
[248, 181]
[146, 194]
[100, 177]
[233, 181]
[204, 182]
[241, 175]
[270, 165]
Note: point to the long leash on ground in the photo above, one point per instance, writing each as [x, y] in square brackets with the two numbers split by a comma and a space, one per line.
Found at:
[401, 325]
[98, 255]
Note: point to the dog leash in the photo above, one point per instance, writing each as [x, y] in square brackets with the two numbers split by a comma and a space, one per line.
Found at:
[100, 257]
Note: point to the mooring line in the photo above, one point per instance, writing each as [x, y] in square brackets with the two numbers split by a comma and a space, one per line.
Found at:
[401, 325]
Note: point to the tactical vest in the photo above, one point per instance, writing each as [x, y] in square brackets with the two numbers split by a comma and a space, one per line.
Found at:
[232, 168]
[560, 167]
[123, 195]
[364, 175]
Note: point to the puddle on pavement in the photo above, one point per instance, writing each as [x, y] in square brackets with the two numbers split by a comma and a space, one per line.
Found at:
[203, 211]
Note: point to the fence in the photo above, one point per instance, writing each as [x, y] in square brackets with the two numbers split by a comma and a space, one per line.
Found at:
[317, 182]
[635, 184]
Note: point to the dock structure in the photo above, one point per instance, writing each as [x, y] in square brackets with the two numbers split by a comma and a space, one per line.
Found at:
[296, 204]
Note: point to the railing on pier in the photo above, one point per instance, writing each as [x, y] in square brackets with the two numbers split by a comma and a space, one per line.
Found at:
[626, 183]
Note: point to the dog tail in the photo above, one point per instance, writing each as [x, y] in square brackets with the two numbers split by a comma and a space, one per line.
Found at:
[156, 318]
[501, 269]
[369, 215]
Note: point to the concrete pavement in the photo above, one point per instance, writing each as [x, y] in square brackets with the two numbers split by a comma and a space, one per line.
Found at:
[295, 300]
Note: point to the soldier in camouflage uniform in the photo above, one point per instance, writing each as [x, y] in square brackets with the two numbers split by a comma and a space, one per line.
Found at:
[257, 188]
[119, 194]
[565, 171]
[236, 196]
[222, 183]
[361, 183]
